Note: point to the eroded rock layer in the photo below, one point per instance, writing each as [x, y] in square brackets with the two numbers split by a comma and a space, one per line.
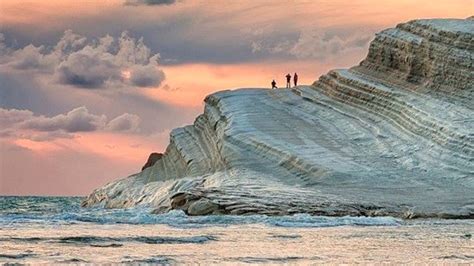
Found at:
[392, 136]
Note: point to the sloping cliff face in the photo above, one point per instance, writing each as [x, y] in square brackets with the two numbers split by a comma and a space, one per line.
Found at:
[392, 136]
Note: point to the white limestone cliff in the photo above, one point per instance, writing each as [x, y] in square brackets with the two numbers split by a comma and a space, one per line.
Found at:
[392, 136]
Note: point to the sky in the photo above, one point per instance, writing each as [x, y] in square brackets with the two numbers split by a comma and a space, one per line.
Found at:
[88, 89]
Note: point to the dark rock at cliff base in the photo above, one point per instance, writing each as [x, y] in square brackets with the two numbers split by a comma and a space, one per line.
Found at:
[155, 156]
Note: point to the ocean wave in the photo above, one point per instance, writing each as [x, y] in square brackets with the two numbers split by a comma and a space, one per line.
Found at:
[100, 241]
[153, 260]
[16, 256]
[268, 260]
[67, 211]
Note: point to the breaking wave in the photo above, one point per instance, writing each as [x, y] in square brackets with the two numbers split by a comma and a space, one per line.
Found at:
[67, 210]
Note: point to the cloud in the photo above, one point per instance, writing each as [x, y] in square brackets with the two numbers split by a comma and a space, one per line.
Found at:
[314, 44]
[317, 44]
[3, 46]
[13, 116]
[146, 75]
[29, 57]
[71, 42]
[125, 122]
[39, 57]
[87, 69]
[83, 63]
[77, 120]
[24, 124]
[149, 2]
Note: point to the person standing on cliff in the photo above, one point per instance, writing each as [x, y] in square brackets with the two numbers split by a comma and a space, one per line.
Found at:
[288, 80]
[274, 85]
[295, 79]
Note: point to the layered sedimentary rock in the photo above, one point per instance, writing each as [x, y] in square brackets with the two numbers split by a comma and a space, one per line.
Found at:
[392, 136]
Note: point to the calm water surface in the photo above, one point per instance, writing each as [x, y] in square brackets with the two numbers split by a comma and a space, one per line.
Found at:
[56, 230]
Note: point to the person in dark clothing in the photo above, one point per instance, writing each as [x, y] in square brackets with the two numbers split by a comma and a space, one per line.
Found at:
[295, 79]
[288, 80]
[274, 85]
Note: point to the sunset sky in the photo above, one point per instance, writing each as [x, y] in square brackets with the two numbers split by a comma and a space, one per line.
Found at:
[88, 89]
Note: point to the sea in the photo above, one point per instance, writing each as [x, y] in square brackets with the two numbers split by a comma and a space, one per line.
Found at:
[56, 230]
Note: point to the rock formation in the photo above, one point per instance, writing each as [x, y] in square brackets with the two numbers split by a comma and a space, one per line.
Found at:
[392, 136]
[152, 159]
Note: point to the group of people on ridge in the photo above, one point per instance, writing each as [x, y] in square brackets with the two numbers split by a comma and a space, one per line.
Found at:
[288, 81]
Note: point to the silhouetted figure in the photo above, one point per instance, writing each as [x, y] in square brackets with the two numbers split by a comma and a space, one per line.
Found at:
[274, 85]
[288, 80]
[295, 79]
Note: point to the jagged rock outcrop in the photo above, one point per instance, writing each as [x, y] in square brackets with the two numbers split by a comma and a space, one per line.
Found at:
[392, 136]
[152, 159]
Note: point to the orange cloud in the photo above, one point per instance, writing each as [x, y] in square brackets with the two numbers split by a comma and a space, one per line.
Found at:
[38, 147]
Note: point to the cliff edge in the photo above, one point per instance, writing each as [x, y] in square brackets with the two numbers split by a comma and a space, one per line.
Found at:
[391, 136]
